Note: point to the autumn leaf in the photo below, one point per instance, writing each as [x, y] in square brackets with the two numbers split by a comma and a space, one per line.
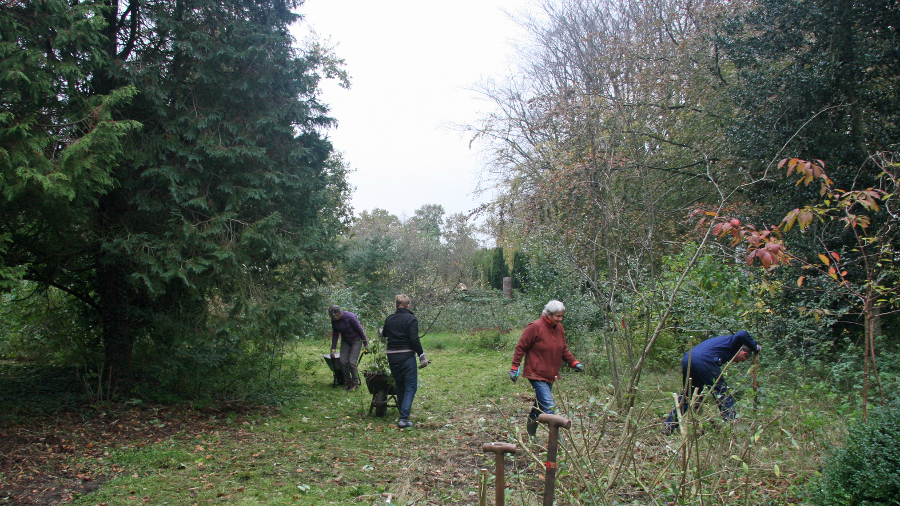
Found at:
[790, 219]
[809, 173]
[824, 259]
[805, 219]
[800, 281]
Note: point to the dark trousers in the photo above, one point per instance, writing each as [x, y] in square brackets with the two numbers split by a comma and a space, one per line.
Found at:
[349, 358]
[700, 377]
[406, 377]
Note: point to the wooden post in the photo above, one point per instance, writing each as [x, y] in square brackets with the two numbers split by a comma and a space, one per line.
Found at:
[755, 381]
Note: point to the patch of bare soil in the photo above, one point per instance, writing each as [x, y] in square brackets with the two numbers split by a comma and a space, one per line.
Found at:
[51, 460]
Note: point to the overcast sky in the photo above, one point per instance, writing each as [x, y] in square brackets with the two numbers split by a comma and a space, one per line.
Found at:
[412, 65]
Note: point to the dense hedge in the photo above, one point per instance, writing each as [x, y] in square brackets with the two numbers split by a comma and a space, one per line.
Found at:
[866, 470]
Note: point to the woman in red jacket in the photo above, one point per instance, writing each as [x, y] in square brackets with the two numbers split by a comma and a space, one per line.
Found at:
[543, 345]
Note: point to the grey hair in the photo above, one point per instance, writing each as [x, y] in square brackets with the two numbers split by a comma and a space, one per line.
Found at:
[553, 307]
[334, 310]
[746, 348]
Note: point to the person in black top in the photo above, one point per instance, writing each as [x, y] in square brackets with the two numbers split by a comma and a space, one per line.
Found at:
[401, 331]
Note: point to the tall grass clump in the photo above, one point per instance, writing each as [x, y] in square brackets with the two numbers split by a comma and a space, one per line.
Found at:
[615, 455]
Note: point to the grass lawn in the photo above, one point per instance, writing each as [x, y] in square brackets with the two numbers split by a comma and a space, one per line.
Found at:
[327, 448]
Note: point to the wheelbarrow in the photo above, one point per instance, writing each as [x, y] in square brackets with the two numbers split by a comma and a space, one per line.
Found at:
[381, 386]
[335, 366]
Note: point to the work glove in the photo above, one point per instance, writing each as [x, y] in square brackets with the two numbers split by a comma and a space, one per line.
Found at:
[579, 367]
[758, 348]
[514, 375]
[333, 350]
[366, 350]
[423, 362]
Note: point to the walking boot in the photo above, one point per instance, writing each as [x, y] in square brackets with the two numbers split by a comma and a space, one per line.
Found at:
[531, 427]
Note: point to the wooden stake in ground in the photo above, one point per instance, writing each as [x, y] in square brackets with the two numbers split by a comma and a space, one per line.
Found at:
[482, 487]
[755, 382]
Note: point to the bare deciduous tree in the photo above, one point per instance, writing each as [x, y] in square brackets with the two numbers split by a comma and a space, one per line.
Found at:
[612, 130]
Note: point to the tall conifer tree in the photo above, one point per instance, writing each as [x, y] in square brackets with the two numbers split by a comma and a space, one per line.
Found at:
[499, 269]
[519, 270]
[156, 155]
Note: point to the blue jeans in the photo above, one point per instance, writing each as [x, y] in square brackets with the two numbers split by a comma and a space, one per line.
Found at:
[543, 398]
[406, 377]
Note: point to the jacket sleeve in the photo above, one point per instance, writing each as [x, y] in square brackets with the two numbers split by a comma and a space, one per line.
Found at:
[354, 322]
[526, 341]
[568, 357]
[334, 336]
[413, 333]
[742, 338]
[385, 329]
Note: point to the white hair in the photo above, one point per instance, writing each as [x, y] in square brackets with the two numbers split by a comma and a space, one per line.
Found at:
[553, 307]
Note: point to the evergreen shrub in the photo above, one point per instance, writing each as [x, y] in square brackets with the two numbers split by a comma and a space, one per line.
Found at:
[46, 327]
[866, 470]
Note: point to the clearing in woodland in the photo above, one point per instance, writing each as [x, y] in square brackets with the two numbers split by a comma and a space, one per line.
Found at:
[326, 448]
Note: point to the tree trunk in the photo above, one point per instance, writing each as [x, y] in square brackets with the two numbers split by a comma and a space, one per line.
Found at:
[876, 320]
[507, 287]
[865, 388]
[118, 340]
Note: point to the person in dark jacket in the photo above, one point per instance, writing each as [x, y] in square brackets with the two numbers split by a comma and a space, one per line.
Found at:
[353, 338]
[543, 346]
[401, 331]
[701, 367]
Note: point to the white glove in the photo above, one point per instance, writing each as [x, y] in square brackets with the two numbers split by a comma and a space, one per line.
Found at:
[423, 362]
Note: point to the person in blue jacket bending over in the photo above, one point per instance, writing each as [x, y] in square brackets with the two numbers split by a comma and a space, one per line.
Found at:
[702, 367]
